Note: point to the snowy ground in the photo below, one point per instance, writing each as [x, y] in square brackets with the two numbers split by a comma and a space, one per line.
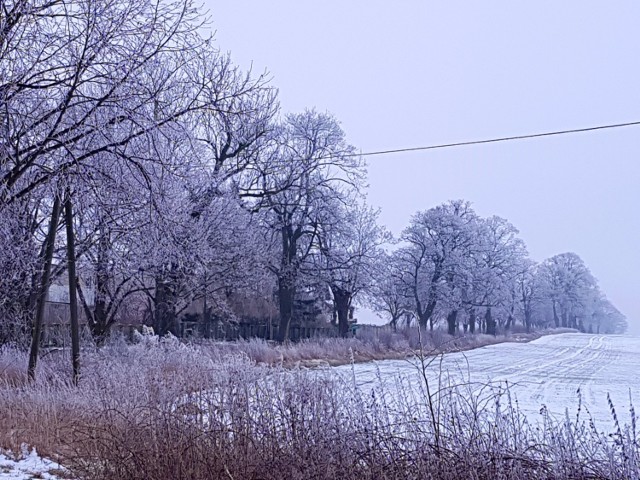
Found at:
[29, 466]
[548, 371]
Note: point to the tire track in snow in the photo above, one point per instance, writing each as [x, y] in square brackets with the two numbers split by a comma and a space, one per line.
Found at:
[573, 372]
[557, 374]
[552, 376]
[547, 371]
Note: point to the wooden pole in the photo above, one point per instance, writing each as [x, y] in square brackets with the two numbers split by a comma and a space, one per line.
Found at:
[73, 287]
[44, 287]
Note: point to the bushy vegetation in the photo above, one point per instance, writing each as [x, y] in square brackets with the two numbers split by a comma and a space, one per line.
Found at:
[161, 409]
[369, 344]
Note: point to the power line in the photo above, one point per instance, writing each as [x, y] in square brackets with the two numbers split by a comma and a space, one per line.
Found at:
[495, 140]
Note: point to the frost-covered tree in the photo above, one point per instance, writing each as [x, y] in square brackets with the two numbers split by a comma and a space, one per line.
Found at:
[528, 291]
[604, 317]
[388, 294]
[95, 96]
[434, 258]
[81, 78]
[309, 168]
[349, 245]
[568, 285]
[190, 260]
[453, 264]
[500, 255]
[20, 226]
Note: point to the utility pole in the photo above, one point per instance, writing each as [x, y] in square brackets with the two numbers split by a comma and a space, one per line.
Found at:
[44, 287]
[73, 287]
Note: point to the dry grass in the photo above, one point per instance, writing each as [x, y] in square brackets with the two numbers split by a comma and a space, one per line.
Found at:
[160, 410]
[371, 344]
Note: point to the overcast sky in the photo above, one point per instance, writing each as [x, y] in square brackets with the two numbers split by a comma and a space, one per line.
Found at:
[413, 73]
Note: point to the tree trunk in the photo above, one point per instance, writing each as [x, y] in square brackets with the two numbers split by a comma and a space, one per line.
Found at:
[394, 322]
[431, 306]
[99, 322]
[527, 319]
[556, 320]
[509, 322]
[564, 318]
[472, 320]
[452, 322]
[100, 332]
[164, 315]
[73, 289]
[491, 323]
[342, 299]
[287, 280]
[343, 318]
[426, 316]
[44, 287]
[286, 294]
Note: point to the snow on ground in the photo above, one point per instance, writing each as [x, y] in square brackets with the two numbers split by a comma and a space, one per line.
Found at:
[29, 466]
[549, 371]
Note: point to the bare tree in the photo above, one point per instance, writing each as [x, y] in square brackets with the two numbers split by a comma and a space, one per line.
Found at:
[20, 264]
[81, 78]
[349, 246]
[499, 258]
[308, 169]
[94, 92]
[568, 284]
[388, 294]
[528, 291]
[437, 243]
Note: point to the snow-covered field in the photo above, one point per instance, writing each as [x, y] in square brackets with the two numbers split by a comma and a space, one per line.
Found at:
[549, 371]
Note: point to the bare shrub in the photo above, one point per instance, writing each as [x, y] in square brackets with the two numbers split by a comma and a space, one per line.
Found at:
[160, 409]
[369, 344]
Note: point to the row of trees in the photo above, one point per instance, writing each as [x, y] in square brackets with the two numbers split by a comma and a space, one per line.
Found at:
[179, 179]
[180, 182]
[455, 266]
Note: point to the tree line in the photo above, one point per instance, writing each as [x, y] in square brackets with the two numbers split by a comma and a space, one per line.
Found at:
[140, 163]
[454, 266]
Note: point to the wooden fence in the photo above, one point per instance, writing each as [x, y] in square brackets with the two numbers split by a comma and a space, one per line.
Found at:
[56, 330]
[59, 334]
[236, 331]
[368, 331]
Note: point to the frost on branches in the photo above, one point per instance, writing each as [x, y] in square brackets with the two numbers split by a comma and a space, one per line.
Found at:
[186, 192]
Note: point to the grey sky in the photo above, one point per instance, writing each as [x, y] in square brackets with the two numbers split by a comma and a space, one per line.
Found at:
[411, 73]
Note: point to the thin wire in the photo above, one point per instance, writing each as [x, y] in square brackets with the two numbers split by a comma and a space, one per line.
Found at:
[494, 140]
